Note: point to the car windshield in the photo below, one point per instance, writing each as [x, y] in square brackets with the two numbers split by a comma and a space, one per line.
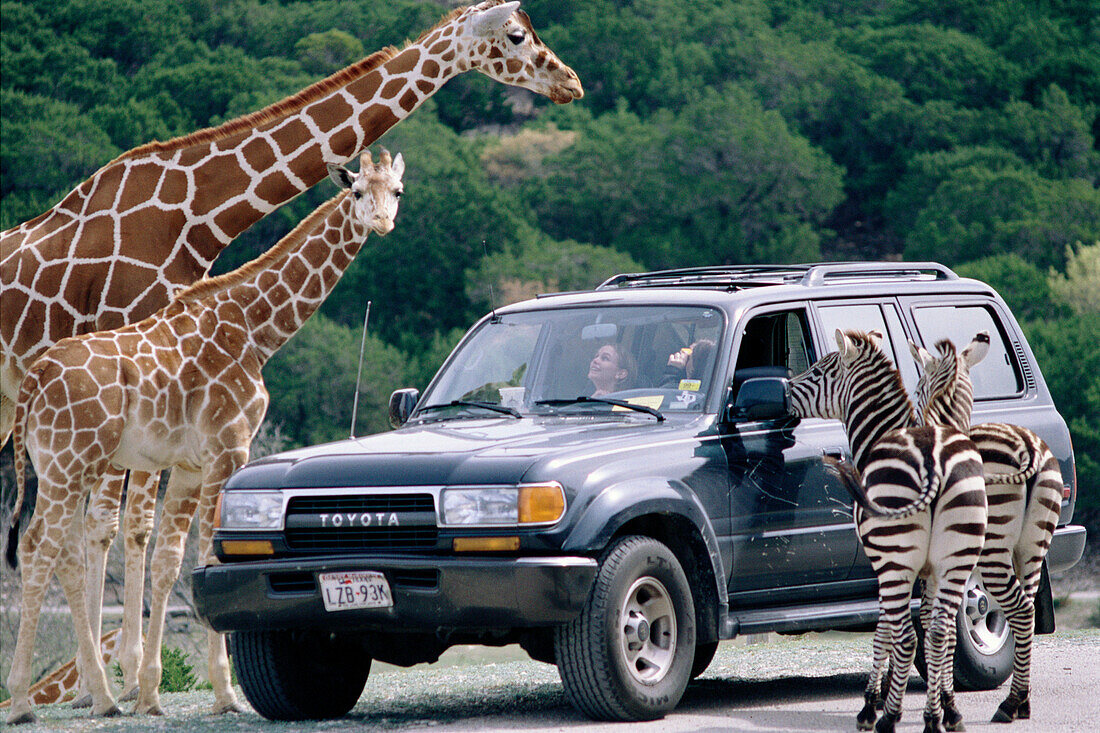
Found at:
[557, 361]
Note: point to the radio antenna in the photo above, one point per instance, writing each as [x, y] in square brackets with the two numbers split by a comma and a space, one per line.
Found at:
[492, 299]
[359, 376]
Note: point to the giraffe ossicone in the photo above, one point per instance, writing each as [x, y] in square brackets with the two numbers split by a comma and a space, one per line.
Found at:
[117, 247]
[182, 389]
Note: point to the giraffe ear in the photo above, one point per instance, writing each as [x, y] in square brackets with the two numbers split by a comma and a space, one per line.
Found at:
[492, 19]
[340, 175]
[977, 349]
[398, 166]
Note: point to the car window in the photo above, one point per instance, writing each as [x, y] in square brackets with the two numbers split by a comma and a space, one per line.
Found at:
[881, 317]
[775, 344]
[995, 376]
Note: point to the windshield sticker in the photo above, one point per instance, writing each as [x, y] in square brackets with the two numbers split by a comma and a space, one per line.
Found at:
[690, 385]
[653, 401]
[683, 401]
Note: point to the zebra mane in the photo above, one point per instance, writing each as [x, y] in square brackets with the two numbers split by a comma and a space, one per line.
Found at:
[949, 393]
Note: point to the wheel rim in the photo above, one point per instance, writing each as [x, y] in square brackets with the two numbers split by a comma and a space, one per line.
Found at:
[648, 632]
[983, 620]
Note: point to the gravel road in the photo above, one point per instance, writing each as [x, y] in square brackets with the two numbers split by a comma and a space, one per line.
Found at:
[808, 683]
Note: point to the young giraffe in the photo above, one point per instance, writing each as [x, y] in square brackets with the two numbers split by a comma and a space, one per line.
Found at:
[63, 682]
[181, 389]
[1023, 484]
[114, 250]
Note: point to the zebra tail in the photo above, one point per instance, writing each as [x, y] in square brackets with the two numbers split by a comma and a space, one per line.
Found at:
[852, 482]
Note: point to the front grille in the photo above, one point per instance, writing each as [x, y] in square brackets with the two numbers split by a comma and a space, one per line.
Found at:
[415, 577]
[382, 537]
[298, 582]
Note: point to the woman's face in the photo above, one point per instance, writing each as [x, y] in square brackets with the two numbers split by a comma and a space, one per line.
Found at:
[604, 371]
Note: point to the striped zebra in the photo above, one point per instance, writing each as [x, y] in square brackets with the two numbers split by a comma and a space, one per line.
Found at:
[929, 480]
[1023, 485]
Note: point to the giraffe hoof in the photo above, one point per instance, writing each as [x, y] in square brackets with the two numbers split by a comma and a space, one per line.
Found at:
[230, 707]
[84, 701]
[110, 712]
[21, 718]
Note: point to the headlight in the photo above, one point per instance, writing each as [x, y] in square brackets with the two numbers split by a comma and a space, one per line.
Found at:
[251, 510]
[506, 505]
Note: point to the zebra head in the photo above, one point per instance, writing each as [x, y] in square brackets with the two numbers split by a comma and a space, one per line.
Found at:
[945, 393]
[824, 389]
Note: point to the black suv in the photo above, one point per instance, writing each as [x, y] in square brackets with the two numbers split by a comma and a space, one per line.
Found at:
[618, 534]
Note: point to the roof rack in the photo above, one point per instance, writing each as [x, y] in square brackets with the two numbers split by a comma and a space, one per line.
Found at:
[736, 277]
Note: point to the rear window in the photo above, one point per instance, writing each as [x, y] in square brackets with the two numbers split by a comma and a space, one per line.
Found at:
[997, 375]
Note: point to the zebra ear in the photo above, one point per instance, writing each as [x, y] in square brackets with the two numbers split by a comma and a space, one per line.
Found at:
[876, 338]
[847, 348]
[977, 349]
[923, 358]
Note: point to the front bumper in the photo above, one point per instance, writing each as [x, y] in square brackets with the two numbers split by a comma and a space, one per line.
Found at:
[428, 593]
[1066, 547]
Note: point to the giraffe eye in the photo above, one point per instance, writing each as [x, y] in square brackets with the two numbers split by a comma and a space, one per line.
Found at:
[357, 195]
[398, 193]
[516, 37]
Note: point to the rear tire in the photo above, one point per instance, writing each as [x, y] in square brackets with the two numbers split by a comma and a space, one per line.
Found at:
[984, 646]
[704, 655]
[299, 675]
[629, 654]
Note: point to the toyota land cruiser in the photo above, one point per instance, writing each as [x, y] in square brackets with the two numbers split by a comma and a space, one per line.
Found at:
[618, 535]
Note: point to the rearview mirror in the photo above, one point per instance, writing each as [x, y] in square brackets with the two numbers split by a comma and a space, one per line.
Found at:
[402, 402]
[761, 398]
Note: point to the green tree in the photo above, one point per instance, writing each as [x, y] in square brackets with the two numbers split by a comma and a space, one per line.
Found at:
[324, 53]
[1023, 285]
[1079, 288]
[981, 212]
[311, 381]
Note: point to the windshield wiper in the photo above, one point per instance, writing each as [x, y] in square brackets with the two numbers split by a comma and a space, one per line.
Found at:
[470, 403]
[605, 401]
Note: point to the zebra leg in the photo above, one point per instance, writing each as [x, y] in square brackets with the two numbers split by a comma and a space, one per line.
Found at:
[935, 648]
[1019, 610]
[874, 694]
[903, 647]
[952, 718]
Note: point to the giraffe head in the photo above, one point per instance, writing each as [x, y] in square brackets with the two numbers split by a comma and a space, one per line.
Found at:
[375, 190]
[497, 39]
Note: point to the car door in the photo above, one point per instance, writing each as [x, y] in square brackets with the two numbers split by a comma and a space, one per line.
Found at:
[791, 521]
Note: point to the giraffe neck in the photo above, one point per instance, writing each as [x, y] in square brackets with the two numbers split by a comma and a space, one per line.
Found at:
[280, 290]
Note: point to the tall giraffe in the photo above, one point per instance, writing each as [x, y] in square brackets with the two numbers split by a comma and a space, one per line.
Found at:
[153, 220]
[181, 389]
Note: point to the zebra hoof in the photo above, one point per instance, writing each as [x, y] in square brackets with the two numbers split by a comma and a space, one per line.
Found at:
[953, 719]
[887, 722]
[866, 718]
[1010, 709]
[932, 724]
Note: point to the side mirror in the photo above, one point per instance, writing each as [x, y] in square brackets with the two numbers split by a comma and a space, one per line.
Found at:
[761, 398]
[402, 402]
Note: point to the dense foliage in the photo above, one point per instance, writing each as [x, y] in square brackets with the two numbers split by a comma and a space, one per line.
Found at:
[711, 132]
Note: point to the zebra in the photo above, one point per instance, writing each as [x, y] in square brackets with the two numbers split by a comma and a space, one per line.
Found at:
[1023, 484]
[929, 479]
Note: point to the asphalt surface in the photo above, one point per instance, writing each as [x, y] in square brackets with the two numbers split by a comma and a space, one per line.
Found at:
[807, 683]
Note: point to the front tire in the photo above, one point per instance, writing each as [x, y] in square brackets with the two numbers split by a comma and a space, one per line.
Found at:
[299, 675]
[629, 654]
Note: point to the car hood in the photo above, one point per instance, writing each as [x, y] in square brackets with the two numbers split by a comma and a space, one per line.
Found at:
[482, 451]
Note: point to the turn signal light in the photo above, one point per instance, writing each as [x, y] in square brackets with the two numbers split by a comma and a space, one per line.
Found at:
[540, 503]
[247, 547]
[486, 544]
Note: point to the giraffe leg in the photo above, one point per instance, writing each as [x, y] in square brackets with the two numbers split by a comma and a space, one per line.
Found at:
[70, 571]
[180, 501]
[225, 700]
[38, 550]
[141, 499]
[7, 419]
[100, 528]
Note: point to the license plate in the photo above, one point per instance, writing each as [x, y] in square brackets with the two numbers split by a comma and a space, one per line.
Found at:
[347, 591]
